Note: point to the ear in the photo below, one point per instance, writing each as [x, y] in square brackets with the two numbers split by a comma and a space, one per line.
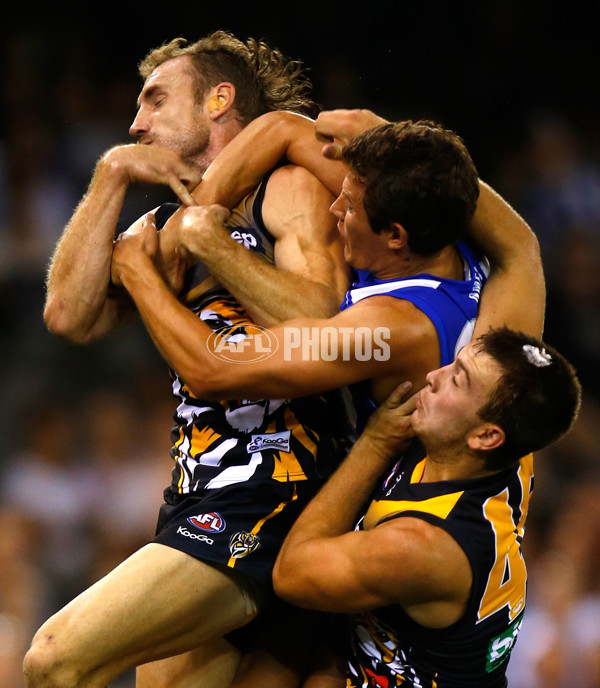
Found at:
[398, 237]
[486, 437]
[220, 99]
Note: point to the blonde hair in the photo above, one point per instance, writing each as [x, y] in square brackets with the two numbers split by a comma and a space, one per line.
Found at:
[264, 79]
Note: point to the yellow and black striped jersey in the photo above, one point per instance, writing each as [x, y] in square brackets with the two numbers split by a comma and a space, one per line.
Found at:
[216, 444]
[486, 517]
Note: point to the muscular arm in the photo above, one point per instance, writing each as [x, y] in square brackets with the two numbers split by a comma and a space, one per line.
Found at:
[308, 256]
[267, 140]
[324, 564]
[310, 276]
[515, 293]
[80, 304]
[297, 367]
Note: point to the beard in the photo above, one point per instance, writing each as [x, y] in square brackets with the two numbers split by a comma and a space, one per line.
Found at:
[190, 143]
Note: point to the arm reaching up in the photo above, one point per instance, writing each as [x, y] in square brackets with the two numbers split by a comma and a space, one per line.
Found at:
[515, 293]
[80, 304]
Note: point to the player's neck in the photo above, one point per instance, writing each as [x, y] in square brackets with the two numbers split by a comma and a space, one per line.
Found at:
[220, 136]
[454, 464]
[446, 263]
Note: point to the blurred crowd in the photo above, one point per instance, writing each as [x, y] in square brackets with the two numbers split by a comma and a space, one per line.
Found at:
[84, 431]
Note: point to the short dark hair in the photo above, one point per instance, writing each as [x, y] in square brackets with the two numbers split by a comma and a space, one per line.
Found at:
[263, 77]
[419, 175]
[537, 398]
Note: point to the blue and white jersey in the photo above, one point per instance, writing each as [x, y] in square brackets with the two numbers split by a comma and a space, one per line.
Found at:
[451, 305]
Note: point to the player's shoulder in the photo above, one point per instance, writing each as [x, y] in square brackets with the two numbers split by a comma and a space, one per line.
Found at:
[291, 176]
[395, 310]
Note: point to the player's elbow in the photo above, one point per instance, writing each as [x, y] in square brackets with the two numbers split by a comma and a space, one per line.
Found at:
[533, 247]
[207, 382]
[285, 581]
[296, 582]
[61, 323]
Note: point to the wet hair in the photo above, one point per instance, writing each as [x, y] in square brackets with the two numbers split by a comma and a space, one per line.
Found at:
[419, 175]
[537, 398]
[264, 79]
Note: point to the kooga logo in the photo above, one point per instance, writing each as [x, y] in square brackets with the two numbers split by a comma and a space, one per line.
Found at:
[277, 441]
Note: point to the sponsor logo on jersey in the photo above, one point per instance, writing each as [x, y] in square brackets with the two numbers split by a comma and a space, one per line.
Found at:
[500, 647]
[279, 441]
[212, 522]
[246, 238]
[242, 544]
[194, 536]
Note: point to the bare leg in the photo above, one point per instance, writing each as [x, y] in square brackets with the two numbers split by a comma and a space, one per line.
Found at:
[287, 651]
[212, 665]
[158, 603]
[330, 672]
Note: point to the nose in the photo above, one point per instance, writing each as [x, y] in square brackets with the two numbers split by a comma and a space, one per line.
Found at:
[140, 124]
[433, 378]
[336, 208]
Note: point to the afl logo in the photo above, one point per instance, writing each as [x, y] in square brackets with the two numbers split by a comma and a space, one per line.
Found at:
[255, 342]
[212, 522]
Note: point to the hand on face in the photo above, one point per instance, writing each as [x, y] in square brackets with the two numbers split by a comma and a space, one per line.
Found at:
[201, 230]
[154, 165]
[131, 247]
[337, 127]
[390, 425]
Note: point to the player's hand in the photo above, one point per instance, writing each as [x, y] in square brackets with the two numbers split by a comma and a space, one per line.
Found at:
[169, 261]
[337, 127]
[202, 230]
[131, 247]
[390, 426]
[153, 165]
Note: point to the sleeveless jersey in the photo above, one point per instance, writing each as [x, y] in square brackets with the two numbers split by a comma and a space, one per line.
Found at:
[216, 444]
[486, 517]
[451, 305]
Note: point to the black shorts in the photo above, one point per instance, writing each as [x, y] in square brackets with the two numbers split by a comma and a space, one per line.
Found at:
[240, 526]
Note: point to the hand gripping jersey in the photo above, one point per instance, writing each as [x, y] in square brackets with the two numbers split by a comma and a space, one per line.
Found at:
[217, 444]
[486, 517]
[451, 305]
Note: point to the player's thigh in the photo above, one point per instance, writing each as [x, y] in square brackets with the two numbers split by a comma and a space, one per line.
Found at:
[157, 603]
[211, 665]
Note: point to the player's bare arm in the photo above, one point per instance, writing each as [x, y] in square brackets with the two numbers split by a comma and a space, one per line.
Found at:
[266, 141]
[324, 564]
[335, 128]
[188, 344]
[80, 304]
[308, 254]
[515, 293]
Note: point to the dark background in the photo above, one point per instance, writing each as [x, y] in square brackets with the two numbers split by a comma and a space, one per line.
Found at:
[517, 80]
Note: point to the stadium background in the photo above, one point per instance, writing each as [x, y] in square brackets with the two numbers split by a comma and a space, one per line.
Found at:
[84, 431]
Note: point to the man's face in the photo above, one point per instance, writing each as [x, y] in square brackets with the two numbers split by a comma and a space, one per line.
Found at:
[168, 114]
[362, 247]
[448, 405]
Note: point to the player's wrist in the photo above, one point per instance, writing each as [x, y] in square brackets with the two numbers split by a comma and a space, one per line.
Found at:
[112, 168]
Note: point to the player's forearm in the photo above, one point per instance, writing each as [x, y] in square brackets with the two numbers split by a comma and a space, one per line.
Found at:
[257, 149]
[180, 337]
[515, 292]
[79, 275]
[333, 511]
[269, 295]
[187, 344]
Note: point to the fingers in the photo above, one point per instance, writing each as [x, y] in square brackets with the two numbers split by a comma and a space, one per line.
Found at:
[181, 191]
[204, 214]
[150, 220]
[344, 125]
[396, 396]
[333, 151]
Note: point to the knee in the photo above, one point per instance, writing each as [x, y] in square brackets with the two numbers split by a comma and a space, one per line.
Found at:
[44, 667]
